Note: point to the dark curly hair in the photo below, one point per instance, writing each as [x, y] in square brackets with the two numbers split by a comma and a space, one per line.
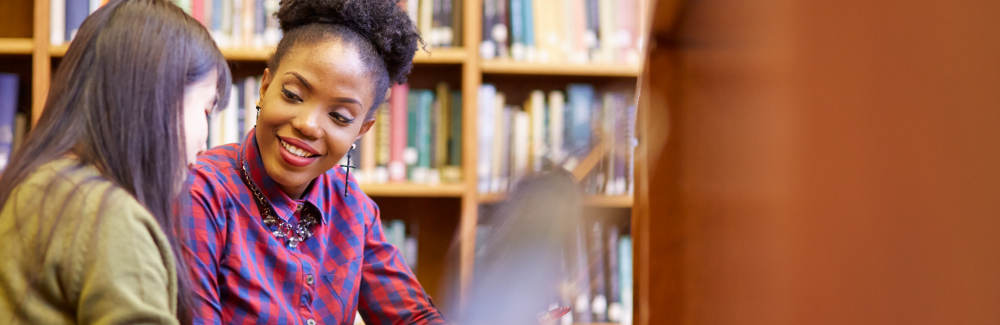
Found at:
[380, 30]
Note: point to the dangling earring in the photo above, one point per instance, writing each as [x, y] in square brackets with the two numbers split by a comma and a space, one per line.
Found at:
[348, 166]
[258, 114]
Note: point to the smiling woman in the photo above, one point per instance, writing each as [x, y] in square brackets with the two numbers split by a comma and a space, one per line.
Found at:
[272, 216]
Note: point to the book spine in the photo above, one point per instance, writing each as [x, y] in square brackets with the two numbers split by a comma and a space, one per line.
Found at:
[424, 118]
[528, 19]
[57, 21]
[443, 130]
[581, 303]
[76, 12]
[411, 156]
[236, 20]
[625, 19]
[521, 134]
[632, 143]
[272, 32]
[517, 45]
[538, 147]
[606, 30]
[207, 10]
[9, 88]
[499, 152]
[455, 141]
[457, 30]
[437, 16]
[592, 27]
[502, 28]
[582, 36]
[432, 144]
[486, 98]
[248, 20]
[621, 145]
[383, 120]
[607, 121]
[599, 302]
[557, 103]
[398, 141]
[581, 98]
[446, 33]
[198, 10]
[625, 277]
[426, 20]
[507, 144]
[259, 23]
[613, 273]
[488, 47]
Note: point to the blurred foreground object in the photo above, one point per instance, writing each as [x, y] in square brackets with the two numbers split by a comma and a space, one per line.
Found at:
[819, 162]
[518, 268]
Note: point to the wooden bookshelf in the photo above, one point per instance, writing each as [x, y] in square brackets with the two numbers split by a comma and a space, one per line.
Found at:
[414, 190]
[17, 45]
[558, 69]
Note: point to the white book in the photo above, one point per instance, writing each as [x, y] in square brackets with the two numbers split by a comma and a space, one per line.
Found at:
[521, 130]
[486, 99]
[498, 143]
[537, 146]
[425, 21]
[250, 98]
[606, 30]
[94, 5]
[57, 22]
[412, 8]
[557, 104]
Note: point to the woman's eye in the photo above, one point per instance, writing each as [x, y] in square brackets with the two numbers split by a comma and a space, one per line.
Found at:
[290, 95]
[341, 118]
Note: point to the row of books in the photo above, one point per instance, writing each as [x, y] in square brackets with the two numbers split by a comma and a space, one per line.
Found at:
[439, 21]
[395, 234]
[233, 23]
[417, 136]
[553, 131]
[574, 31]
[13, 125]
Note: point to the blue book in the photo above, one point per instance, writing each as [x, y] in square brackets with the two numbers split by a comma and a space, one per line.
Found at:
[76, 12]
[9, 86]
[577, 121]
[529, 23]
[216, 22]
[517, 22]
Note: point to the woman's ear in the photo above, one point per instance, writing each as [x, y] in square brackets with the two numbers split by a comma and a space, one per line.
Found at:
[265, 81]
[365, 128]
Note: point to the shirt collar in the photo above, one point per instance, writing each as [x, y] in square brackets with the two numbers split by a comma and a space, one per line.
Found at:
[283, 205]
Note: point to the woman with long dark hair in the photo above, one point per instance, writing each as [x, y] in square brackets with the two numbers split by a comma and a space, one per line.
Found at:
[87, 227]
[279, 234]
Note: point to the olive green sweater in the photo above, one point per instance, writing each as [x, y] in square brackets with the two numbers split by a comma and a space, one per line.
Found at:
[75, 249]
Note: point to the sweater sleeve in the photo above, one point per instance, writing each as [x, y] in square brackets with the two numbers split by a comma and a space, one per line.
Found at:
[124, 265]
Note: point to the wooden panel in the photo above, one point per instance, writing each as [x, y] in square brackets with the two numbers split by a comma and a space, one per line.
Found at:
[17, 18]
[471, 80]
[821, 163]
[414, 190]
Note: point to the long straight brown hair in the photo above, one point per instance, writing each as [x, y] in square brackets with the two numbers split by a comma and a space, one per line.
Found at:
[117, 103]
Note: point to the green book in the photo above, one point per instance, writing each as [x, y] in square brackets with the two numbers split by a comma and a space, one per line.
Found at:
[455, 142]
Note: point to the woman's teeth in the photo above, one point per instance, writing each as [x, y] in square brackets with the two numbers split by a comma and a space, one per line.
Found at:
[295, 150]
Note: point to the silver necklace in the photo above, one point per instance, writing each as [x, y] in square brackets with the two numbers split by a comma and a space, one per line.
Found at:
[280, 228]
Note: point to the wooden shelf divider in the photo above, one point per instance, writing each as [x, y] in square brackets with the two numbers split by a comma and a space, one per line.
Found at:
[558, 69]
[445, 190]
[593, 201]
[17, 45]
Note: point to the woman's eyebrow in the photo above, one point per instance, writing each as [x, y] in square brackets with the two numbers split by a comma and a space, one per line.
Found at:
[302, 80]
[347, 100]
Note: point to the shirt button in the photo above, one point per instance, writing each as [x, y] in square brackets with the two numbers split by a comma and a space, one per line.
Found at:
[311, 321]
[310, 279]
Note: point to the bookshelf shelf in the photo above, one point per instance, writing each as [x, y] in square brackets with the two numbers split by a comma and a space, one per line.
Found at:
[594, 201]
[558, 69]
[17, 45]
[414, 190]
[58, 51]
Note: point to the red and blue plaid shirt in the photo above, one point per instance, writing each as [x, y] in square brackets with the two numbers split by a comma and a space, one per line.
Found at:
[242, 274]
